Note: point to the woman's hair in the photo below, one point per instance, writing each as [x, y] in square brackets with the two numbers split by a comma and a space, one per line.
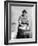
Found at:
[24, 11]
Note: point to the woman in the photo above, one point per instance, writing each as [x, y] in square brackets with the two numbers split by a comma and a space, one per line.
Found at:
[23, 24]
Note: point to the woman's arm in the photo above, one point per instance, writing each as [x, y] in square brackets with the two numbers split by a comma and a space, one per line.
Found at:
[19, 20]
[30, 24]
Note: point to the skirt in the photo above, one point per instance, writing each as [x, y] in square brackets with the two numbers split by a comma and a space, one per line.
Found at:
[20, 34]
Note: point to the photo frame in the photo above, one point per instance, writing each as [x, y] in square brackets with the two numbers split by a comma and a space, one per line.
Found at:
[13, 10]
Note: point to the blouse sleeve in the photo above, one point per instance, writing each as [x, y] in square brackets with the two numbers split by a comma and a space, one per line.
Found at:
[19, 20]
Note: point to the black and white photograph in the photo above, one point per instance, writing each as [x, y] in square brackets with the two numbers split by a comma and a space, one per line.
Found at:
[20, 22]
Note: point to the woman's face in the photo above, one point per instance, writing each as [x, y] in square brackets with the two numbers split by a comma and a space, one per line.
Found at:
[25, 15]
